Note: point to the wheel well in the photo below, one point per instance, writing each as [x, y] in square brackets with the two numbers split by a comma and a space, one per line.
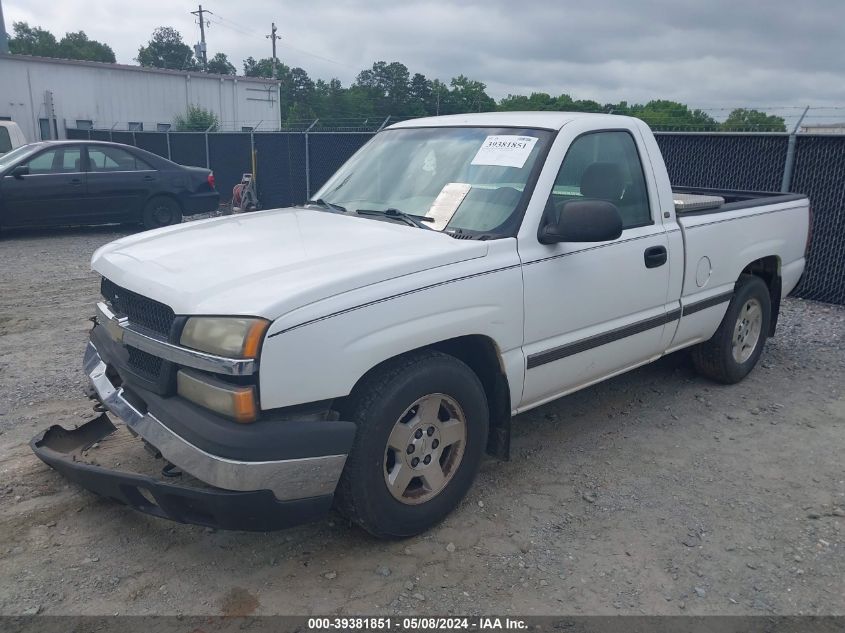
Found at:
[481, 354]
[163, 194]
[768, 269]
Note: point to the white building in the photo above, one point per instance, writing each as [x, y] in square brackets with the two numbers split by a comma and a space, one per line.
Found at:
[46, 96]
[823, 128]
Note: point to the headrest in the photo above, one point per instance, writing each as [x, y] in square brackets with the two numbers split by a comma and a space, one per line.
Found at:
[603, 181]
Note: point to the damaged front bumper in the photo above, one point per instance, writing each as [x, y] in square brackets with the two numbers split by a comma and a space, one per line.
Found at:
[234, 491]
[256, 510]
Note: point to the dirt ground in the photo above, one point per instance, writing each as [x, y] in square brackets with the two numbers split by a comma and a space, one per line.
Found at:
[657, 492]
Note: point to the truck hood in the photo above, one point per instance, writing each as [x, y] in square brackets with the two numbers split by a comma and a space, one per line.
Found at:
[271, 262]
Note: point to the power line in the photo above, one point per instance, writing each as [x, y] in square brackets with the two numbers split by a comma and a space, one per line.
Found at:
[325, 59]
[232, 27]
[244, 30]
[236, 25]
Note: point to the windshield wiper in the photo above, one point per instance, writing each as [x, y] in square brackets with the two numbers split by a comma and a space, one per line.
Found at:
[413, 220]
[328, 206]
[461, 234]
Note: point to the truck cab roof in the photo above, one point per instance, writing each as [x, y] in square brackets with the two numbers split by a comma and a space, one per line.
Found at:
[543, 120]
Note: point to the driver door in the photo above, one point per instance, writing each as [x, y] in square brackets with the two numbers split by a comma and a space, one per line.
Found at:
[596, 309]
[51, 193]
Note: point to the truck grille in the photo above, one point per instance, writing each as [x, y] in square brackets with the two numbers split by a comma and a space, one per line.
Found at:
[140, 310]
[144, 364]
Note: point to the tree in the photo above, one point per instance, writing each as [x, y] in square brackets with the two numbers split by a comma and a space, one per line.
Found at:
[296, 94]
[741, 119]
[468, 95]
[331, 102]
[220, 65]
[167, 50]
[671, 115]
[78, 46]
[388, 85]
[32, 40]
[261, 68]
[196, 119]
[421, 97]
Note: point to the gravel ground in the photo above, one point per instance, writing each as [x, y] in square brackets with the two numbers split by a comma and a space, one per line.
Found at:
[657, 492]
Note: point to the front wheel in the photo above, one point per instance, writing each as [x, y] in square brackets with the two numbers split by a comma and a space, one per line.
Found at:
[422, 427]
[161, 211]
[734, 349]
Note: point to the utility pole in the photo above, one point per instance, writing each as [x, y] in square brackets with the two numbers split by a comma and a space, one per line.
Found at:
[273, 37]
[199, 13]
[4, 43]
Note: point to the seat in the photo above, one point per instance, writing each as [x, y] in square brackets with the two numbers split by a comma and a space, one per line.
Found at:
[603, 181]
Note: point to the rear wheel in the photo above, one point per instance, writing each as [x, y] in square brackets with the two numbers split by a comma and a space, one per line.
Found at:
[161, 211]
[735, 348]
[422, 427]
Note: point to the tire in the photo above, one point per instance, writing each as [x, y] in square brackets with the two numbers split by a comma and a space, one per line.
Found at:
[394, 409]
[733, 351]
[161, 211]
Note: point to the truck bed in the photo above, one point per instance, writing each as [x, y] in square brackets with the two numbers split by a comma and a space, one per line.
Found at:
[733, 199]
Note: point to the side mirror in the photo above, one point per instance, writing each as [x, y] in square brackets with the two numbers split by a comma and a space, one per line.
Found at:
[584, 221]
[20, 171]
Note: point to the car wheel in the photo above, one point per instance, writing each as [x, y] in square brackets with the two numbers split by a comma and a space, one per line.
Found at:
[734, 349]
[422, 426]
[161, 211]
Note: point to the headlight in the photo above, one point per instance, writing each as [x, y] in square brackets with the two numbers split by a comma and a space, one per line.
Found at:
[225, 336]
[233, 401]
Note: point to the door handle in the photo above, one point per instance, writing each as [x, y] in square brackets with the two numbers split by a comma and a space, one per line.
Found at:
[76, 181]
[149, 178]
[655, 256]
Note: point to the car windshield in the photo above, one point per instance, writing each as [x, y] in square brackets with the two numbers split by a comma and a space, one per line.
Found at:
[16, 154]
[453, 179]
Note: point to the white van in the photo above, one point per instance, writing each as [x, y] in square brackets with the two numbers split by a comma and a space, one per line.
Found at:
[11, 136]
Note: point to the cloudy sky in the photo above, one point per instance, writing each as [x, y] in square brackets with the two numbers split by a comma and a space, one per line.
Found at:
[711, 53]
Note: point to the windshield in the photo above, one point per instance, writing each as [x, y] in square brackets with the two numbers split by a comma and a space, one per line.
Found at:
[16, 154]
[455, 179]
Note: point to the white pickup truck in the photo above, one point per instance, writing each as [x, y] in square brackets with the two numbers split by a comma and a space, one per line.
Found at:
[362, 351]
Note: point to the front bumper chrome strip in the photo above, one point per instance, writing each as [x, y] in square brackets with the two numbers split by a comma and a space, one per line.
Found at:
[122, 331]
[287, 479]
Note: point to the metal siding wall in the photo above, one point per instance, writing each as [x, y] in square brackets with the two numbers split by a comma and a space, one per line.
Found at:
[820, 173]
[188, 148]
[111, 94]
[16, 102]
[281, 169]
[725, 161]
[230, 159]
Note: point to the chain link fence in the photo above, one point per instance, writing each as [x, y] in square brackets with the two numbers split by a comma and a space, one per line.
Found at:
[293, 164]
[820, 173]
[752, 162]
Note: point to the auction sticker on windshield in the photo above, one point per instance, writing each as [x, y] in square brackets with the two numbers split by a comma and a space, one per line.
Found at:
[505, 150]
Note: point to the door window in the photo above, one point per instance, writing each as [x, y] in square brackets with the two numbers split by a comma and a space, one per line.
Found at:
[114, 159]
[605, 166]
[5, 140]
[44, 126]
[61, 160]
